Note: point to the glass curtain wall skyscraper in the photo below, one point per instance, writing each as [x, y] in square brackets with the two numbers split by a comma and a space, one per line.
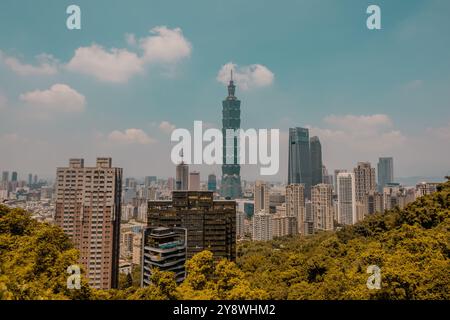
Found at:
[316, 161]
[385, 172]
[231, 170]
[299, 166]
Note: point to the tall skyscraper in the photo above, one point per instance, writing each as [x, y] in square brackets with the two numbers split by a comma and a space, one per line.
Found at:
[299, 166]
[194, 181]
[385, 172]
[182, 176]
[30, 179]
[336, 172]
[364, 180]
[88, 209]
[212, 183]
[346, 198]
[322, 206]
[210, 224]
[262, 199]
[5, 176]
[295, 205]
[14, 176]
[316, 161]
[231, 120]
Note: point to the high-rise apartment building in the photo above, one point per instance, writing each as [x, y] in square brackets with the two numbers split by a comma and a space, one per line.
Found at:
[322, 207]
[295, 205]
[164, 249]
[262, 199]
[299, 166]
[88, 209]
[240, 224]
[194, 181]
[346, 198]
[262, 226]
[231, 120]
[385, 172]
[364, 180]
[316, 161]
[210, 224]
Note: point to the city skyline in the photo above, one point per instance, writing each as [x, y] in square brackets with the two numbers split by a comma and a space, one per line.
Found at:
[322, 83]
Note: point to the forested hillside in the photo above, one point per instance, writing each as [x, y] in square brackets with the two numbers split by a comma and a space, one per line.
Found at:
[411, 246]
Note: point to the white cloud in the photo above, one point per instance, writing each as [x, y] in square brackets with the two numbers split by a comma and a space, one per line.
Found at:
[440, 132]
[59, 98]
[166, 127]
[166, 46]
[115, 65]
[413, 85]
[130, 136]
[246, 77]
[351, 138]
[47, 65]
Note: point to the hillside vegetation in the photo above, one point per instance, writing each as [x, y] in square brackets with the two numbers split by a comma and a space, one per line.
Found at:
[411, 246]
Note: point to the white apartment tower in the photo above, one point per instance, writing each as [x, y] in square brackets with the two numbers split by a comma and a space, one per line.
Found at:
[346, 198]
[322, 206]
[262, 226]
[295, 205]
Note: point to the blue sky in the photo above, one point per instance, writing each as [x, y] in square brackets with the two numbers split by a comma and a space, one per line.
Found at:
[364, 93]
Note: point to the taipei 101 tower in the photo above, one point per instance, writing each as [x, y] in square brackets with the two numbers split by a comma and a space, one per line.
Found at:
[231, 119]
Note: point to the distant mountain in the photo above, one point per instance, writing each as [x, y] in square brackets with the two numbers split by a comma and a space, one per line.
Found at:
[412, 181]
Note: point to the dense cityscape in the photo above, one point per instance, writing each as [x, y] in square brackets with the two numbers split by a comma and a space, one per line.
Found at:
[122, 223]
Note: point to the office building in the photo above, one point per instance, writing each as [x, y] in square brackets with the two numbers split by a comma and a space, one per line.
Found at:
[240, 224]
[182, 177]
[262, 226]
[385, 172]
[299, 166]
[322, 207]
[231, 120]
[346, 195]
[295, 205]
[88, 209]
[210, 224]
[14, 176]
[316, 161]
[5, 176]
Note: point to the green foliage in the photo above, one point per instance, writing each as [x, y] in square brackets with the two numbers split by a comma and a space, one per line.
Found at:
[411, 246]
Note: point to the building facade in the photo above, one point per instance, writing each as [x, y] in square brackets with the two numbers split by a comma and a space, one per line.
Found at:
[210, 224]
[322, 207]
[295, 205]
[299, 166]
[88, 209]
[316, 161]
[231, 170]
[346, 194]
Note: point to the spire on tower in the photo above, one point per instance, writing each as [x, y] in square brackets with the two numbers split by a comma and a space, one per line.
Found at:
[231, 86]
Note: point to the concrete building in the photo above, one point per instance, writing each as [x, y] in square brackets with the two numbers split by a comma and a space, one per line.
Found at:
[262, 226]
[164, 249]
[262, 199]
[210, 224]
[322, 207]
[88, 209]
[346, 194]
[194, 181]
[299, 165]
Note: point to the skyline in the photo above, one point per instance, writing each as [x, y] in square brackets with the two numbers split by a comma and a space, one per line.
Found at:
[365, 94]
